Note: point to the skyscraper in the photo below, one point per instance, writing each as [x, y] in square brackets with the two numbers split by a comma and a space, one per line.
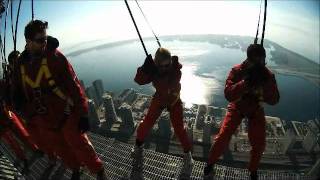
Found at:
[202, 110]
[98, 86]
[110, 112]
[92, 94]
[93, 116]
[128, 96]
[310, 141]
[125, 113]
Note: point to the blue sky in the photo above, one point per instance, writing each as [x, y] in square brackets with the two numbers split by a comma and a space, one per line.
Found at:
[292, 24]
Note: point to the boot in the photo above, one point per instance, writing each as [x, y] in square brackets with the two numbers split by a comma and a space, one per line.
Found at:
[253, 175]
[137, 164]
[25, 169]
[75, 174]
[208, 172]
[102, 175]
[187, 166]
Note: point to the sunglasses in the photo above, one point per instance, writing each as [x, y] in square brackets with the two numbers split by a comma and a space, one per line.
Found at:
[41, 40]
[164, 66]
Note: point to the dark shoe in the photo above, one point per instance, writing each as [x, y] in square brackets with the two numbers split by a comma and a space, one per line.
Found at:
[25, 169]
[208, 172]
[186, 167]
[75, 175]
[102, 175]
[137, 164]
[253, 175]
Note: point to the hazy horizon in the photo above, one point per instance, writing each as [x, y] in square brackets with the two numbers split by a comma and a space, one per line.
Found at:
[291, 24]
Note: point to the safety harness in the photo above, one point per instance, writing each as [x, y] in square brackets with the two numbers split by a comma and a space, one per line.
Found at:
[35, 85]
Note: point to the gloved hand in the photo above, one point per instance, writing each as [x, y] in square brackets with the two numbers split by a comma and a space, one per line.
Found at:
[174, 58]
[84, 125]
[52, 43]
[149, 66]
[256, 76]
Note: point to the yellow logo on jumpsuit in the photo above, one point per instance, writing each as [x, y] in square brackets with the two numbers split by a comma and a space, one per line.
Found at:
[43, 71]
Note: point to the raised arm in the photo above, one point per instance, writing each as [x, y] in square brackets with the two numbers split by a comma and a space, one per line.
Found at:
[234, 90]
[145, 73]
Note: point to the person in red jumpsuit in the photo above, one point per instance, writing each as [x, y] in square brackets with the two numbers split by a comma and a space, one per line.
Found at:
[49, 95]
[164, 73]
[11, 126]
[248, 85]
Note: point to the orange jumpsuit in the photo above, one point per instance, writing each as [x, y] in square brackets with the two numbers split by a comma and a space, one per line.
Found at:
[45, 87]
[245, 104]
[166, 96]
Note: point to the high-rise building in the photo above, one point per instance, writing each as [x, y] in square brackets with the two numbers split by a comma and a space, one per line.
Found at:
[92, 94]
[202, 110]
[125, 113]
[128, 96]
[207, 130]
[164, 125]
[98, 86]
[289, 140]
[93, 116]
[110, 112]
[310, 141]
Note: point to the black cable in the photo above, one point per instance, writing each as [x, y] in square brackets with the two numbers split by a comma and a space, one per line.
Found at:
[32, 10]
[5, 30]
[257, 33]
[16, 29]
[11, 15]
[150, 27]
[264, 21]
[135, 25]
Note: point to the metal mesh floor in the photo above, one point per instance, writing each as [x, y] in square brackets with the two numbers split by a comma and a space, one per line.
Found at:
[116, 156]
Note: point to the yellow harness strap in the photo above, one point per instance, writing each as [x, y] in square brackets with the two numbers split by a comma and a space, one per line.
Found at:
[43, 71]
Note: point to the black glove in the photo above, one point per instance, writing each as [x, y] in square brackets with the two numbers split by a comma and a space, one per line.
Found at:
[256, 76]
[84, 125]
[52, 43]
[174, 58]
[149, 66]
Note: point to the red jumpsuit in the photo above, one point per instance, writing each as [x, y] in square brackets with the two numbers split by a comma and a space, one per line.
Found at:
[7, 136]
[35, 85]
[166, 96]
[244, 103]
[10, 126]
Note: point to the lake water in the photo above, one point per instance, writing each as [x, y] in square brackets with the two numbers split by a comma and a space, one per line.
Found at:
[205, 67]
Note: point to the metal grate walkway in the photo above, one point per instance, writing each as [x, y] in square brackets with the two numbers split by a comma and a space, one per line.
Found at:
[116, 156]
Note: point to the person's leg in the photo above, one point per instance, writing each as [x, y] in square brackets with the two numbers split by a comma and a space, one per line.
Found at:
[64, 151]
[230, 123]
[39, 134]
[257, 138]
[176, 117]
[137, 153]
[77, 143]
[8, 137]
[19, 129]
[153, 114]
